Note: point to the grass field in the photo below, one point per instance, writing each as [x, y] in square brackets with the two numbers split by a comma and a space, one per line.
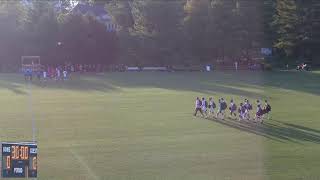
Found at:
[139, 126]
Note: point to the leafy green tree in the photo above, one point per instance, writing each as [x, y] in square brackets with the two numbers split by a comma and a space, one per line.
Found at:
[309, 46]
[287, 22]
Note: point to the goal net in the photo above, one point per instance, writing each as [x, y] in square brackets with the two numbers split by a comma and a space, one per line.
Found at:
[30, 63]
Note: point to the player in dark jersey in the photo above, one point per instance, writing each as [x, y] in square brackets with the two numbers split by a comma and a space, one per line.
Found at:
[28, 74]
[267, 109]
[259, 114]
[39, 73]
[233, 109]
[222, 108]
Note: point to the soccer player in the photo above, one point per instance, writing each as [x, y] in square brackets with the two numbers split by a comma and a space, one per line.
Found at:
[58, 73]
[267, 109]
[204, 105]
[258, 102]
[65, 75]
[242, 111]
[212, 106]
[72, 68]
[38, 73]
[248, 107]
[81, 68]
[198, 107]
[25, 73]
[259, 114]
[236, 65]
[232, 108]
[219, 108]
[49, 72]
[44, 75]
[28, 74]
[222, 108]
[53, 73]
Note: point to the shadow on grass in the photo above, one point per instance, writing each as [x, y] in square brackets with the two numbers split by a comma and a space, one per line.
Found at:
[116, 81]
[230, 82]
[307, 82]
[302, 128]
[15, 88]
[185, 81]
[17, 84]
[85, 83]
[246, 84]
[281, 132]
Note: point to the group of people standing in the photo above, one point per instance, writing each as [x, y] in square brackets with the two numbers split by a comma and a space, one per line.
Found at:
[242, 112]
[57, 74]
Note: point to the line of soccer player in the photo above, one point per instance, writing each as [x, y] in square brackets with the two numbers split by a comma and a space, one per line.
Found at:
[59, 72]
[243, 111]
[43, 75]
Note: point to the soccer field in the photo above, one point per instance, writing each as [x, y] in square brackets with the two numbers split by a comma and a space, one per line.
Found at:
[139, 126]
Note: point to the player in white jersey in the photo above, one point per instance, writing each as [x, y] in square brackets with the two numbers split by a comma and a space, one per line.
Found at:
[204, 105]
[44, 75]
[248, 107]
[212, 106]
[58, 74]
[198, 107]
[65, 75]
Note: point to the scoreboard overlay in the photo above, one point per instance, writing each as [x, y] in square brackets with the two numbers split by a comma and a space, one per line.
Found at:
[19, 159]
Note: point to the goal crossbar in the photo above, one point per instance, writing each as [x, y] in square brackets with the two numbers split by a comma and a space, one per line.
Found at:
[31, 62]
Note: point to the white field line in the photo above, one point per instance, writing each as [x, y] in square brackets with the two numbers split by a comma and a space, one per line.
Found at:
[30, 106]
[84, 165]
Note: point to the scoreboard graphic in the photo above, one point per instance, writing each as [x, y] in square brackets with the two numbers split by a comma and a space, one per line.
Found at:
[19, 159]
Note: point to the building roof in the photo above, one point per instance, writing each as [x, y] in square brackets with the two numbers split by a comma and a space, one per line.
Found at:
[96, 10]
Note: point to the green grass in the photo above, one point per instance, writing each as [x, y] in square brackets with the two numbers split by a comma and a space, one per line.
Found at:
[140, 126]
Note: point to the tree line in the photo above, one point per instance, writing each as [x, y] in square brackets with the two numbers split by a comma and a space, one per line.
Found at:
[166, 32]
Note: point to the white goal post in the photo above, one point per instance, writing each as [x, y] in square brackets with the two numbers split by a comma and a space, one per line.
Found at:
[31, 62]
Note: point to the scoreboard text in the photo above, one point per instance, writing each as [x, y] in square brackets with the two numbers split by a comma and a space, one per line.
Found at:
[19, 159]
